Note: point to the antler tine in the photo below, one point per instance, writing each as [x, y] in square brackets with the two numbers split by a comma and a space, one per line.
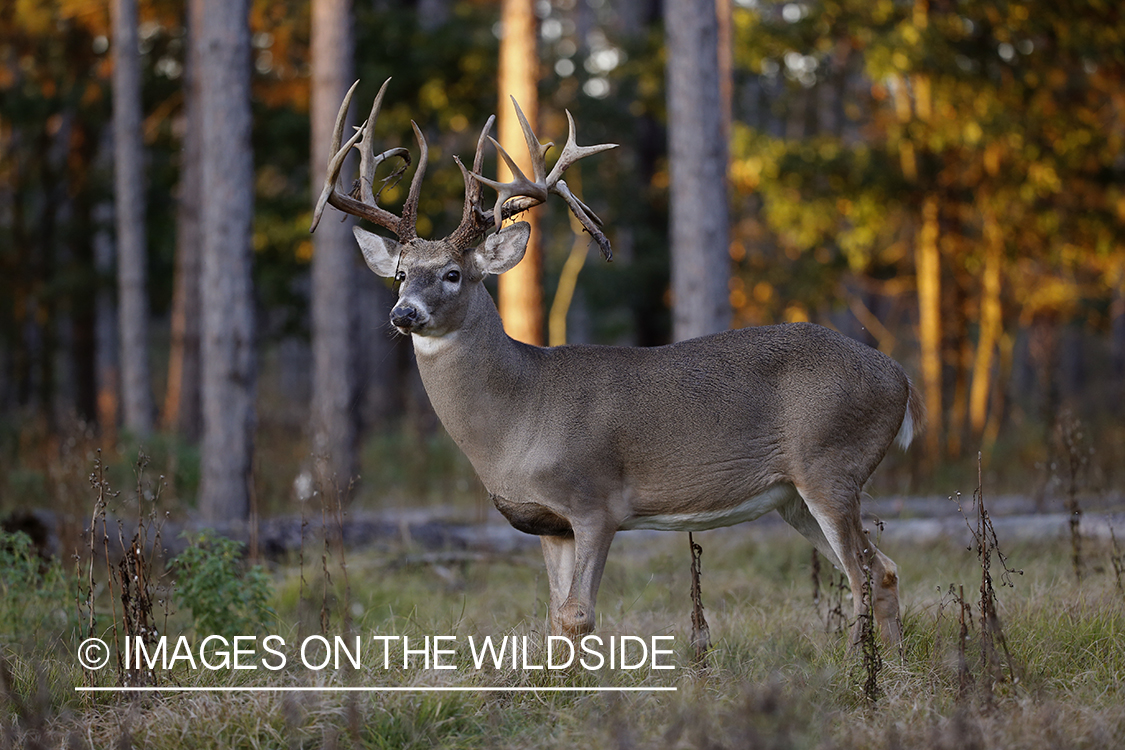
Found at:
[521, 193]
[366, 206]
[472, 218]
[572, 152]
[536, 149]
[519, 186]
[367, 159]
[408, 230]
[473, 188]
[336, 159]
[589, 220]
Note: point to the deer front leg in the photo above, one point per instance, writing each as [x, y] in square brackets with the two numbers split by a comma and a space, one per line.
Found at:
[558, 553]
[574, 616]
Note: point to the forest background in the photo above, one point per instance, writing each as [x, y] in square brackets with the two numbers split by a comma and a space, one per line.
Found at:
[943, 180]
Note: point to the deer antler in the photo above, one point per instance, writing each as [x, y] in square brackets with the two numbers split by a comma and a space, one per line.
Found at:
[535, 191]
[362, 201]
[512, 198]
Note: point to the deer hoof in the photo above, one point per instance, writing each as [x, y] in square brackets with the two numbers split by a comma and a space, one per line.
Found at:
[574, 620]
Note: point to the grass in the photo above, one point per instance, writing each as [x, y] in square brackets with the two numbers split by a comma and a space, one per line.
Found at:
[777, 676]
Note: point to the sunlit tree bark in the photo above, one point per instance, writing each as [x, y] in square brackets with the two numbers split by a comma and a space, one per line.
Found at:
[333, 267]
[129, 191]
[927, 261]
[521, 289]
[990, 325]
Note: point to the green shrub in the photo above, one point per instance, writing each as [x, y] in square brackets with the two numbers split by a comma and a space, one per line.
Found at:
[35, 595]
[224, 595]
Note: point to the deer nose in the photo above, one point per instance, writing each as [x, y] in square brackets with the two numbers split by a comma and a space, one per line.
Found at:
[404, 316]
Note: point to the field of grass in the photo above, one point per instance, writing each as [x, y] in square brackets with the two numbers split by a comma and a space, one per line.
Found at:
[778, 677]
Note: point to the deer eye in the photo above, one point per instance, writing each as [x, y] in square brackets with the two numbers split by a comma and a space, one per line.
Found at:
[400, 276]
[453, 276]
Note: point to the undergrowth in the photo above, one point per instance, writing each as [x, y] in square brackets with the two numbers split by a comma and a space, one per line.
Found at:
[990, 658]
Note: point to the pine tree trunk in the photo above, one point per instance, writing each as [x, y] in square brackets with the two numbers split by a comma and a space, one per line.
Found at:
[227, 295]
[927, 261]
[334, 258]
[697, 156]
[991, 326]
[105, 311]
[182, 406]
[136, 389]
[521, 289]
[1117, 331]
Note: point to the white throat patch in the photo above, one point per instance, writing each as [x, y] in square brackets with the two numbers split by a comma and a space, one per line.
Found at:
[430, 345]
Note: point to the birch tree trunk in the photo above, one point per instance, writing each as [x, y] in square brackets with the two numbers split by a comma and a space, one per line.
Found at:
[227, 295]
[521, 289]
[129, 192]
[697, 157]
[334, 252]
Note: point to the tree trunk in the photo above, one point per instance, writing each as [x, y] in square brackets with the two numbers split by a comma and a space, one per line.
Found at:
[132, 296]
[105, 312]
[521, 289]
[991, 325]
[724, 30]
[697, 156]
[333, 414]
[927, 263]
[182, 406]
[227, 295]
[1117, 331]
[377, 376]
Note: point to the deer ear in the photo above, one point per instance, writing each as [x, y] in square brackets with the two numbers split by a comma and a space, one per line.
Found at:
[503, 250]
[381, 253]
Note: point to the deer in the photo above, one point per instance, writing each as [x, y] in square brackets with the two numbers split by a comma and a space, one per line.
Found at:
[575, 443]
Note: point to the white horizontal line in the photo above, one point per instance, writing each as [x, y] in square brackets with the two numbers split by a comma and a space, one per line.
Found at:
[397, 689]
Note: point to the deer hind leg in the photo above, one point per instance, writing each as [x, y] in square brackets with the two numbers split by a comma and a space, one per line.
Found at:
[837, 534]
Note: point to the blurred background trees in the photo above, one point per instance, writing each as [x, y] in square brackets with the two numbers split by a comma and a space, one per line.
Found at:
[943, 181]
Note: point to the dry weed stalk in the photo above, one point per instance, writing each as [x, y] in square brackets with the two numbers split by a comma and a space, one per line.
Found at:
[1069, 436]
[132, 580]
[700, 631]
[325, 607]
[868, 638]
[85, 599]
[332, 516]
[997, 664]
[1117, 560]
[869, 644]
[340, 513]
[965, 679]
[136, 577]
[835, 619]
[815, 578]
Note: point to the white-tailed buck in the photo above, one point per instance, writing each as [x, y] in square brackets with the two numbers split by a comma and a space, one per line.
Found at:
[576, 443]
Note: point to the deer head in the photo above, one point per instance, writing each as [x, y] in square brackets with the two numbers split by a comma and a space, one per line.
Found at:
[438, 269]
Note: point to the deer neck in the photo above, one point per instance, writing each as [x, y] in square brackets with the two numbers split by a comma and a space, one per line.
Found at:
[474, 376]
